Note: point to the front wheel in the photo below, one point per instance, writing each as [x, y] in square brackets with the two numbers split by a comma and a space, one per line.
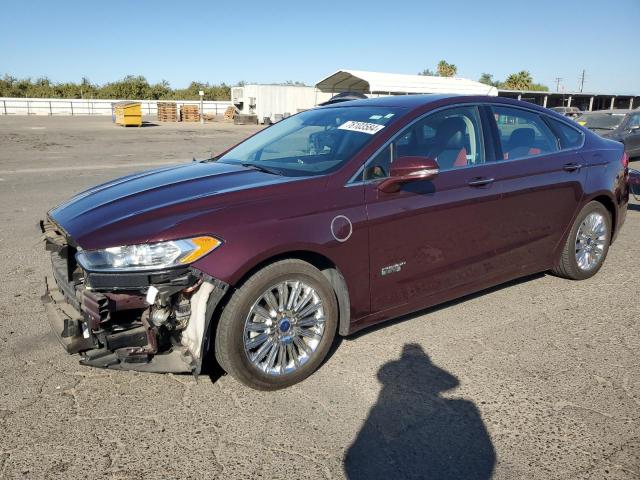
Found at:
[587, 245]
[278, 327]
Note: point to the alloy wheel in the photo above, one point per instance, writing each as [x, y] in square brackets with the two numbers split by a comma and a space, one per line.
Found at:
[284, 327]
[590, 241]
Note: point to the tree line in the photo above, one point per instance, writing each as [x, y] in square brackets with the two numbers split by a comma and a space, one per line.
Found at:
[521, 80]
[137, 86]
[131, 87]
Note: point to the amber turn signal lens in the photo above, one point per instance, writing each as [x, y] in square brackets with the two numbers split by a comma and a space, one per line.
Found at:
[203, 246]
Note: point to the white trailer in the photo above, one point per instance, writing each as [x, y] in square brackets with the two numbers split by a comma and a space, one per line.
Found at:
[275, 101]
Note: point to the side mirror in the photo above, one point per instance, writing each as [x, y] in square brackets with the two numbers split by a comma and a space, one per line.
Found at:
[634, 182]
[408, 169]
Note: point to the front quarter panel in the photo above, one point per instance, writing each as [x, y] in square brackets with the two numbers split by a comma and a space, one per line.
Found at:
[292, 224]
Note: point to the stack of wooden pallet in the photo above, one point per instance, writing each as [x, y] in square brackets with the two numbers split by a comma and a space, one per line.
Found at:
[229, 113]
[189, 113]
[167, 112]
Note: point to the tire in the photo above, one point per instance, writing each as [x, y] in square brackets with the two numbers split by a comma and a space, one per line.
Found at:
[239, 321]
[568, 265]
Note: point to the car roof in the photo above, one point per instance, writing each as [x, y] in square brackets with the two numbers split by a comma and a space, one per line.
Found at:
[406, 101]
[411, 102]
[415, 102]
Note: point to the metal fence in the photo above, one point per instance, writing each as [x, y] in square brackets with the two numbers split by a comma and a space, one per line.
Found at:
[59, 106]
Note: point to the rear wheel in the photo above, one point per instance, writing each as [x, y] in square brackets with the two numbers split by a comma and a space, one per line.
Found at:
[587, 245]
[278, 327]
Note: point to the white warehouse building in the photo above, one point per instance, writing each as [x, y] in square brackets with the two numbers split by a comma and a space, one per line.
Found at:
[273, 102]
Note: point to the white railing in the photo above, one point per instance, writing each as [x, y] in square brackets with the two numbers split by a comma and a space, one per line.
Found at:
[63, 106]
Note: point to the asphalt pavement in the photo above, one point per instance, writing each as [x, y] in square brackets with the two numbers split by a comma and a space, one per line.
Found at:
[536, 379]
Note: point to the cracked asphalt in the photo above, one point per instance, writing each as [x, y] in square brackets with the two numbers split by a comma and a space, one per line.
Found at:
[536, 379]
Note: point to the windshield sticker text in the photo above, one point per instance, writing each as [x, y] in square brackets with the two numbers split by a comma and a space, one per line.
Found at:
[364, 127]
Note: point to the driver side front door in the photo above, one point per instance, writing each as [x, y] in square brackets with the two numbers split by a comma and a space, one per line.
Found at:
[435, 239]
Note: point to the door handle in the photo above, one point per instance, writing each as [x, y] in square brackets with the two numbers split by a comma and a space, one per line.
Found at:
[572, 167]
[480, 181]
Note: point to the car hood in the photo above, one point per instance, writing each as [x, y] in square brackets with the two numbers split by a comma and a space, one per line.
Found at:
[142, 206]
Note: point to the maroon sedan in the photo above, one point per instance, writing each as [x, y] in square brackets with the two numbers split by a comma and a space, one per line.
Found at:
[325, 223]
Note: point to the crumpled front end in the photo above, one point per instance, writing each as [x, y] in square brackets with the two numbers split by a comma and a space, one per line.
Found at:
[154, 321]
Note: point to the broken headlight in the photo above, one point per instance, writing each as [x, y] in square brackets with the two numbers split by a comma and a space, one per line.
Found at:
[147, 256]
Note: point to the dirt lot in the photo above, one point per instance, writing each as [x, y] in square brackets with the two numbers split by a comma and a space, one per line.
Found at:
[538, 379]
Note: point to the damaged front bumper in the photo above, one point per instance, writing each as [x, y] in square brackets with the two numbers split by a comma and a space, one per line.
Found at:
[107, 320]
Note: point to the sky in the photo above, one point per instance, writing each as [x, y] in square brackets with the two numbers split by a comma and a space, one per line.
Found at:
[275, 41]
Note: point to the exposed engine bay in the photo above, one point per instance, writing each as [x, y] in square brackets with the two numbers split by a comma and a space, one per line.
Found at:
[154, 321]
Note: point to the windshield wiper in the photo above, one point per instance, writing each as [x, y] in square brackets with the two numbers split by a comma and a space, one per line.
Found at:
[272, 171]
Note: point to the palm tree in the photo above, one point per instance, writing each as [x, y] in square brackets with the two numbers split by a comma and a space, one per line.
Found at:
[518, 81]
[447, 69]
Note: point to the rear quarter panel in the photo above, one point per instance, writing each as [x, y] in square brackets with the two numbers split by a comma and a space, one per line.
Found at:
[607, 177]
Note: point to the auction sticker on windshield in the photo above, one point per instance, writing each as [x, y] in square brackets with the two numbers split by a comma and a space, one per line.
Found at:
[364, 127]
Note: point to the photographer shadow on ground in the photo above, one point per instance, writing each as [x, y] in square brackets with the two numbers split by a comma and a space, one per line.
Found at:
[413, 432]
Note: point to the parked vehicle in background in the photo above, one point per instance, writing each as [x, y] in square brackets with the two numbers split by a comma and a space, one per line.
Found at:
[327, 222]
[621, 125]
[571, 112]
[634, 183]
[344, 97]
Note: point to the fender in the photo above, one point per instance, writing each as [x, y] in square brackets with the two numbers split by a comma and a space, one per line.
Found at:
[316, 255]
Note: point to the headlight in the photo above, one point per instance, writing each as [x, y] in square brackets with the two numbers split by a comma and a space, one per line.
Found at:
[147, 256]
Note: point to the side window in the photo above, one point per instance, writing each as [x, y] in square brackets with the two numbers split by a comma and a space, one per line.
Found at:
[452, 137]
[569, 137]
[523, 133]
[379, 165]
[634, 121]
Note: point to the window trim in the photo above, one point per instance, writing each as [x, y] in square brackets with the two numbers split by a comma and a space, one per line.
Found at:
[542, 115]
[568, 124]
[547, 119]
[488, 136]
[491, 136]
[499, 138]
[352, 182]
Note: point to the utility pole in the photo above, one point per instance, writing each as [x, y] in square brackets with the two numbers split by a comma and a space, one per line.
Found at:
[558, 83]
[582, 81]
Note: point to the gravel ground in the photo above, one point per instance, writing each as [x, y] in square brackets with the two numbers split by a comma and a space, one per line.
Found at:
[537, 379]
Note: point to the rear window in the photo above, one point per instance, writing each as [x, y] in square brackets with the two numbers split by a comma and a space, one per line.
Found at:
[523, 133]
[569, 137]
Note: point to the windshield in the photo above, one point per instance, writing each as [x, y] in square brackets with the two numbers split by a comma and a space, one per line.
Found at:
[314, 142]
[606, 121]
